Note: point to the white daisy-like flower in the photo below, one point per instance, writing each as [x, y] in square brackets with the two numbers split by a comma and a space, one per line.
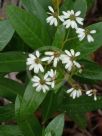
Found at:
[82, 33]
[52, 56]
[74, 93]
[71, 19]
[69, 59]
[92, 92]
[34, 62]
[41, 84]
[52, 19]
[52, 76]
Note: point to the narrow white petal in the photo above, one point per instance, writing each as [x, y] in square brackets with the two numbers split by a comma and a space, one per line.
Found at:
[41, 68]
[68, 53]
[37, 54]
[70, 90]
[45, 59]
[77, 64]
[92, 31]
[77, 54]
[72, 52]
[36, 69]
[77, 13]
[50, 53]
[55, 62]
[51, 9]
[90, 38]
[80, 20]
[38, 89]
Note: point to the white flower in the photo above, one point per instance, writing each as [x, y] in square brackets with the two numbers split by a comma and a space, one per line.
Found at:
[34, 62]
[52, 19]
[92, 92]
[52, 76]
[69, 59]
[41, 84]
[74, 92]
[82, 33]
[52, 56]
[71, 19]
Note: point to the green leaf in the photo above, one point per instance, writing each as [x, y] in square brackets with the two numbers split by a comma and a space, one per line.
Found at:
[82, 105]
[9, 88]
[45, 4]
[56, 126]
[79, 118]
[59, 37]
[90, 3]
[82, 6]
[77, 108]
[7, 113]
[67, 5]
[31, 101]
[36, 9]
[87, 48]
[6, 33]
[29, 27]
[91, 70]
[29, 125]
[12, 61]
[76, 6]
[48, 134]
[6, 130]
[24, 125]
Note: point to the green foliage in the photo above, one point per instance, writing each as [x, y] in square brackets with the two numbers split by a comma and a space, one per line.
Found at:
[34, 112]
[55, 127]
[7, 32]
[28, 27]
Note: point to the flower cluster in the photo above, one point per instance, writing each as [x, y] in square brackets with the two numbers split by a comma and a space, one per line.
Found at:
[71, 19]
[37, 64]
[45, 66]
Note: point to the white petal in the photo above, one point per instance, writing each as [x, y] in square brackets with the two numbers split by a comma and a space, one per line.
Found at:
[38, 89]
[80, 20]
[32, 56]
[51, 9]
[72, 52]
[50, 53]
[92, 31]
[70, 90]
[45, 59]
[55, 62]
[35, 84]
[77, 13]
[95, 98]
[68, 53]
[36, 69]
[77, 54]
[90, 38]
[77, 64]
[49, 19]
[41, 68]
[55, 22]
[73, 24]
[37, 54]
[31, 67]
[61, 18]
[88, 92]
[72, 12]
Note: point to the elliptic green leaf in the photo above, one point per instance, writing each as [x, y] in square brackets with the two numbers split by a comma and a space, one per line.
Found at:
[29, 27]
[12, 61]
[6, 33]
[56, 126]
